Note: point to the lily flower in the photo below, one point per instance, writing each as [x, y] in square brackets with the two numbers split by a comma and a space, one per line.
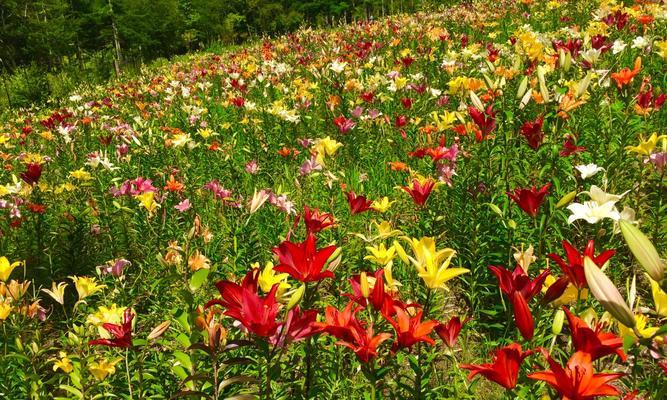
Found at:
[578, 379]
[316, 220]
[530, 200]
[532, 131]
[241, 302]
[593, 341]
[503, 368]
[364, 343]
[358, 203]
[57, 292]
[303, 261]
[122, 334]
[449, 331]
[381, 254]
[6, 268]
[420, 189]
[86, 286]
[432, 265]
[411, 330]
[573, 269]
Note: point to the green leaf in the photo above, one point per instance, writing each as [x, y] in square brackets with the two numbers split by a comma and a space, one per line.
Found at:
[198, 278]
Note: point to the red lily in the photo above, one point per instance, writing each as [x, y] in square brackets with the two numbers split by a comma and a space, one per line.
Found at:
[122, 333]
[316, 220]
[449, 331]
[410, 331]
[531, 199]
[485, 121]
[344, 124]
[302, 260]
[518, 280]
[241, 302]
[577, 381]
[574, 268]
[570, 148]
[504, 368]
[364, 343]
[358, 203]
[532, 131]
[520, 289]
[420, 190]
[298, 325]
[594, 342]
[32, 173]
[378, 297]
[340, 323]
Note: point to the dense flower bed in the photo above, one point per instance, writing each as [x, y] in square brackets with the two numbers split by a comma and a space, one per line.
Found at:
[465, 204]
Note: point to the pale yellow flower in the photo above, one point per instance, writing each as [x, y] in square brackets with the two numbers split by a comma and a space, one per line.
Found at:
[57, 292]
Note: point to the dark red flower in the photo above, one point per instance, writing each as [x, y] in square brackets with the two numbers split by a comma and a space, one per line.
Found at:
[411, 330]
[570, 148]
[532, 131]
[594, 342]
[577, 380]
[523, 318]
[531, 199]
[32, 173]
[358, 203]
[122, 334]
[420, 190]
[449, 331]
[520, 289]
[485, 121]
[241, 302]
[316, 220]
[302, 260]
[298, 325]
[504, 368]
[573, 269]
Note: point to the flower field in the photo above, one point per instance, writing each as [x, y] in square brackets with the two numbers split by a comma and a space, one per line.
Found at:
[464, 204]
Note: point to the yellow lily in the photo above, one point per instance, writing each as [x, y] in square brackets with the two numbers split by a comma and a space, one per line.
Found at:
[268, 277]
[659, 298]
[432, 265]
[57, 292]
[106, 315]
[86, 286]
[103, 368]
[5, 309]
[642, 327]
[147, 200]
[6, 268]
[646, 147]
[325, 147]
[382, 205]
[64, 363]
[380, 254]
[81, 175]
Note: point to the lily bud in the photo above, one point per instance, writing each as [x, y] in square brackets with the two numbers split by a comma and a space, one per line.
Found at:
[567, 199]
[557, 325]
[607, 294]
[511, 224]
[476, 101]
[159, 330]
[643, 250]
[522, 87]
[296, 297]
[544, 91]
[363, 280]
